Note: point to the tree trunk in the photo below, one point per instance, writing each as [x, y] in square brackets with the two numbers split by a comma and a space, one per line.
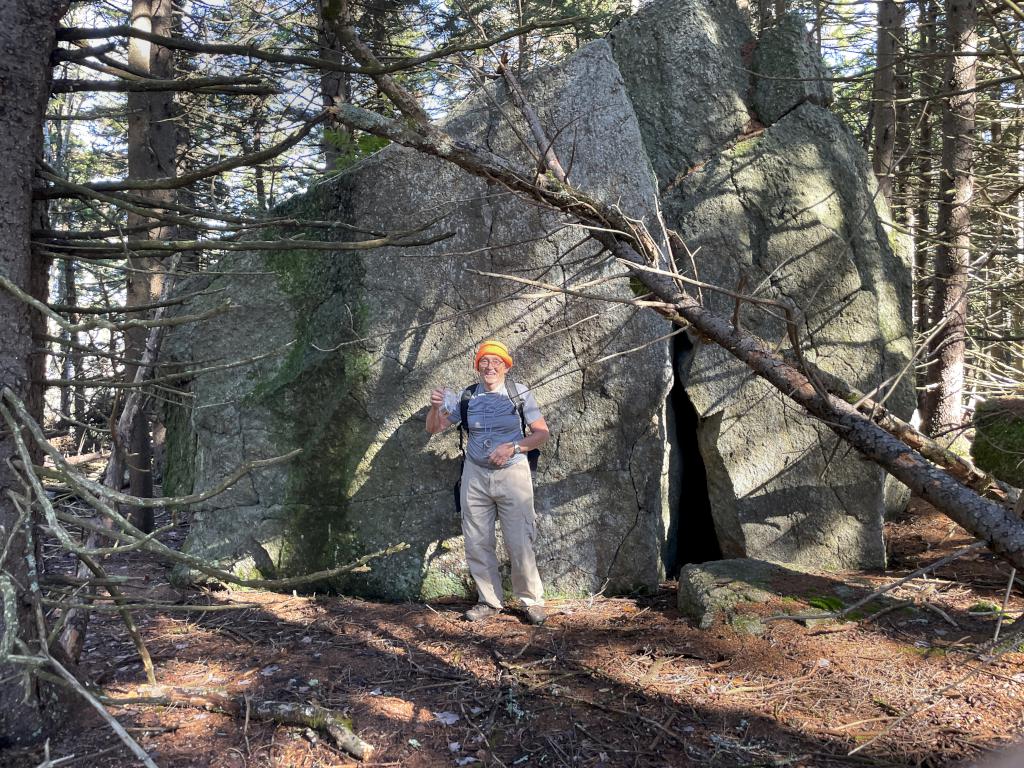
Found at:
[952, 257]
[335, 87]
[922, 245]
[891, 16]
[1016, 319]
[152, 144]
[26, 40]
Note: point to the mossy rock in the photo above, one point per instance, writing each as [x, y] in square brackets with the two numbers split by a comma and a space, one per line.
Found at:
[999, 438]
[179, 446]
[748, 624]
[713, 590]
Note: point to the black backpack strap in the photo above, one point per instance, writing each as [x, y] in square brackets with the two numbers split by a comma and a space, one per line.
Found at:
[467, 393]
[533, 455]
[517, 401]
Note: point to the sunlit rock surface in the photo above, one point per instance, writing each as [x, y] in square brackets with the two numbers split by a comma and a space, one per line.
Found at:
[342, 347]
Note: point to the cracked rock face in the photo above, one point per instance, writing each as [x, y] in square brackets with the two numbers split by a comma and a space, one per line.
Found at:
[344, 346]
[683, 65]
[363, 337]
[786, 210]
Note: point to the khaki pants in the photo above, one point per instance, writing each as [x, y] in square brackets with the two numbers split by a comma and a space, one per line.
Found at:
[507, 493]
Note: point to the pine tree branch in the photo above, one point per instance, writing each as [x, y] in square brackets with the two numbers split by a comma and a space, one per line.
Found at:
[315, 62]
[248, 86]
[187, 179]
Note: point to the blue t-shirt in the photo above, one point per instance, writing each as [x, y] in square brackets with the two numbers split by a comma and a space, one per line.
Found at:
[493, 419]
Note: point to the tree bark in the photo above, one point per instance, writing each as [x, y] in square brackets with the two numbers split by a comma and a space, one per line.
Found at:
[891, 15]
[335, 87]
[26, 40]
[927, 13]
[152, 145]
[946, 366]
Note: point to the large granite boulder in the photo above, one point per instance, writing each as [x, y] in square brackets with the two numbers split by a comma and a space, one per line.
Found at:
[789, 213]
[357, 339]
[344, 346]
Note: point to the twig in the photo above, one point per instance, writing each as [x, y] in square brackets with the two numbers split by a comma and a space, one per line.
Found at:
[887, 587]
[166, 501]
[98, 322]
[1006, 601]
[79, 483]
[1011, 641]
[941, 613]
[322, 63]
[133, 745]
[287, 713]
[83, 556]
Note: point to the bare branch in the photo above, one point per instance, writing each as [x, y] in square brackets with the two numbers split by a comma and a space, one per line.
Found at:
[249, 86]
[315, 62]
[184, 180]
[98, 322]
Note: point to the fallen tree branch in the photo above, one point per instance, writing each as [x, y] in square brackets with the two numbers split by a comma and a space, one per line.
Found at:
[884, 589]
[86, 557]
[337, 726]
[960, 467]
[122, 734]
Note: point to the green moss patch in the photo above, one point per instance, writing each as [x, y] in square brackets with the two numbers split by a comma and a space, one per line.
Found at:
[314, 397]
[179, 446]
[999, 438]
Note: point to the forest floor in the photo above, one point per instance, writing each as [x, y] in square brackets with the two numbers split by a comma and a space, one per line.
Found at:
[607, 681]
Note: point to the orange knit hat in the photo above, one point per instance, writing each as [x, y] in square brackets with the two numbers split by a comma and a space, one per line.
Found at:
[493, 347]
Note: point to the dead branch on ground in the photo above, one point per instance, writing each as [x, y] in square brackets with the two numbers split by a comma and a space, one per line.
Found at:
[336, 725]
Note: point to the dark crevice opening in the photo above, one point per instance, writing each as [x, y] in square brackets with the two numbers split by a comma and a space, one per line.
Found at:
[693, 528]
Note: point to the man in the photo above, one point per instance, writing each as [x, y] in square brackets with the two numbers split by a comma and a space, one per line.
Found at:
[496, 481]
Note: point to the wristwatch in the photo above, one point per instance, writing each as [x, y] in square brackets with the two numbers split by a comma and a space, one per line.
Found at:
[516, 450]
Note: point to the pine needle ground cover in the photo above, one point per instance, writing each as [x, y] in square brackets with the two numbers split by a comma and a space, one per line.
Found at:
[606, 681]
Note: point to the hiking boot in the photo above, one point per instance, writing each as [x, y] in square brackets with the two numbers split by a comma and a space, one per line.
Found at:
[479, 611]
[535, 614]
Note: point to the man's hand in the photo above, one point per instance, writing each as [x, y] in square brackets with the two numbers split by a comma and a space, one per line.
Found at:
[501, 455]
[435, 421]
[436, 398]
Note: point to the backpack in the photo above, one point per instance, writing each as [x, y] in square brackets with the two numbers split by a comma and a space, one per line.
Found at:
[532, 456]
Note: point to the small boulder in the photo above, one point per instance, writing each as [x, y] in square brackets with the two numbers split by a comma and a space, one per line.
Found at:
[999, 438]
[713, 590]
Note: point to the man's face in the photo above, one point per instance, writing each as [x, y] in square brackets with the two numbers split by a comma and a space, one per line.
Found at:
[491, 369]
